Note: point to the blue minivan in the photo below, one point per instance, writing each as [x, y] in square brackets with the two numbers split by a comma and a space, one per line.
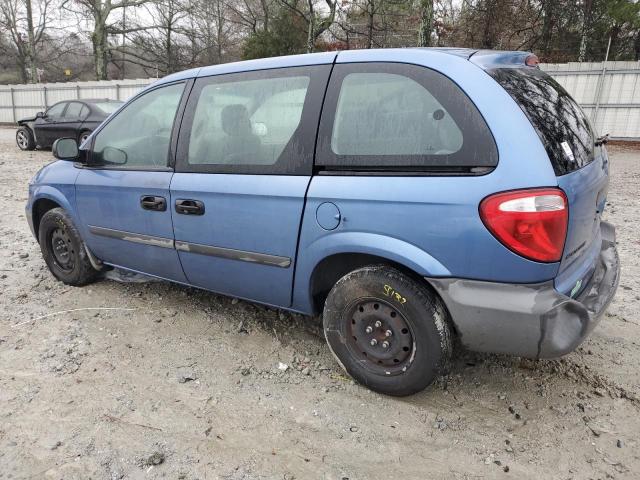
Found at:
[412, 197]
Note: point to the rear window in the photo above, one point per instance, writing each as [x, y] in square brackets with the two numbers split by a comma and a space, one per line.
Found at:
[559, 121]
[393, 116]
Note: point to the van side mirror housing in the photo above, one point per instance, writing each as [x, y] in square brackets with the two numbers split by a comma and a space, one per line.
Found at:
[66, 149]
[40, 115]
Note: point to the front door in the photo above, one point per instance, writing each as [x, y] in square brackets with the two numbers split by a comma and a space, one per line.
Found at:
[123, 196]
[244, 162]
[69, 125]
[46, 127]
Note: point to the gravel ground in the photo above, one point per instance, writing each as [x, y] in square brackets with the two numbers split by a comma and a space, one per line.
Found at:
[153, 380]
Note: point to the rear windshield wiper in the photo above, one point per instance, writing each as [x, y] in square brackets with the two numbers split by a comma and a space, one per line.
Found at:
[602, 140]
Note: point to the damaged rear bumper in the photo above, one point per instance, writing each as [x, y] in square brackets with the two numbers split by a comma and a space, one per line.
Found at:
[532, 320]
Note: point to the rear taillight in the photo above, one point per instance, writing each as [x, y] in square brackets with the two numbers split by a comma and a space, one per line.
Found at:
[532, 223]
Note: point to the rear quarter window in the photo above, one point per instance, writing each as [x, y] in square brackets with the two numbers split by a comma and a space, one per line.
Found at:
[559, 121]
[394, 116]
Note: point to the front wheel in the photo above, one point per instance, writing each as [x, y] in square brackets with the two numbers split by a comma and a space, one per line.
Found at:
[389, 332]
[24, 139]
[63, 250]
[83, 137]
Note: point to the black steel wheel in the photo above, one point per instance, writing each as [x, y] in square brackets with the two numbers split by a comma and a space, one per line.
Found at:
[63, 250]
[380, 335]
[388, 331]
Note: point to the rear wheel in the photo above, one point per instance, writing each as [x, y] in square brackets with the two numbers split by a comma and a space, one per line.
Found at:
[389, 332]
[63, 250]
[24, 139]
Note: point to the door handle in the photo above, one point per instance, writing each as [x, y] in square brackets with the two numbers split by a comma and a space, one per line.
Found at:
[189, 207]
[150, 202]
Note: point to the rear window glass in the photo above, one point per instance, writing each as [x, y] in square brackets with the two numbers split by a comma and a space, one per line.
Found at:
[559, 121]
[390, 114]
[394, 116]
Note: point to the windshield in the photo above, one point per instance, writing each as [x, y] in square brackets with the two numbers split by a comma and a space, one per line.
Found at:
[107, 107]
[559, 121]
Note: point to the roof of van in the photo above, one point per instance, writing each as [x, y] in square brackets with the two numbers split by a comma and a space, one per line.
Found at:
[485, 59]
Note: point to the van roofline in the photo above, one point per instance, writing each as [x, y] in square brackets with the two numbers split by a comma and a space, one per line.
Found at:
[485, 59]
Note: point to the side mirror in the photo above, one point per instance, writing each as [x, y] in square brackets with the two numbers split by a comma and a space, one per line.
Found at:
[40, 115]
[65, 149]
[114, 156]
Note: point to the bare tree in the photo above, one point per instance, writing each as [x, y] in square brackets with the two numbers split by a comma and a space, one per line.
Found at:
[217, 28]
[317, 20]
[98, 12]
[25, 34]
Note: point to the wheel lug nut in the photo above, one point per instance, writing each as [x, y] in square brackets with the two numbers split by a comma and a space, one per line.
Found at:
[378, 324]
[385, 344]
[374, 342]
[388, 333]
[368, 329]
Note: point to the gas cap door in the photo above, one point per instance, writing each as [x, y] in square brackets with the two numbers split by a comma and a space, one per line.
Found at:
[328, 215]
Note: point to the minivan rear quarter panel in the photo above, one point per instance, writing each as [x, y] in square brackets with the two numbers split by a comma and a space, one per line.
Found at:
[437, 214]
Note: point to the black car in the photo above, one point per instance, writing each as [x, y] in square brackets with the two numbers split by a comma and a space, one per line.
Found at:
[69, 118]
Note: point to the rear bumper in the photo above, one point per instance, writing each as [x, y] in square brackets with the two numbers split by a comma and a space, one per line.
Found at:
[532, 320]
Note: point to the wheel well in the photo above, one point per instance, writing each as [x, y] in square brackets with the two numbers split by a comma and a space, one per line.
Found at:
[333, 268]
[41, 207]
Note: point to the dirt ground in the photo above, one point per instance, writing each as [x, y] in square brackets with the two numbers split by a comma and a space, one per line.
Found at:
[154, 380]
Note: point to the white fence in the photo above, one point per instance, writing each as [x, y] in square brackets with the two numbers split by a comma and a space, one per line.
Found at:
[19, 101]
[609, 94]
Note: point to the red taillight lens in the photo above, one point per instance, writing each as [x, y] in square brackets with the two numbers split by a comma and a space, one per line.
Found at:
[532, 223]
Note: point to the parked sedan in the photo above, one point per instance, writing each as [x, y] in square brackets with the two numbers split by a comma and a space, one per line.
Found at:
[70, 118]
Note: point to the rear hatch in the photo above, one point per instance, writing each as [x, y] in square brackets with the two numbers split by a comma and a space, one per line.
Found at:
[582, 167]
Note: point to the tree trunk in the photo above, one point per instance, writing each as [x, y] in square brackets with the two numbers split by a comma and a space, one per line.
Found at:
[370, 14]
[24, 76]
[168, 47]
[265, 12]
[100, 47]
[426, 23]
[636, 46]
[31, 46]
[548, 10]
[220, 29]
[615, 41]
[586, 28]
[488, 35]
[311, 37]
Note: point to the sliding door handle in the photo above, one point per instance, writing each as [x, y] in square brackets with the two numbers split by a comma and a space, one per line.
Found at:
[150, 202]
[189, 207]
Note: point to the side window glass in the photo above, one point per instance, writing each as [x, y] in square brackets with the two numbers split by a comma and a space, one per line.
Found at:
[84, 112]
[73, 111]
[55, 112]
[246, 123]
[404, 117]
[139, 135]
[390, 114]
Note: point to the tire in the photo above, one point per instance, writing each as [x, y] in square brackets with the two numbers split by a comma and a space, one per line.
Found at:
[63, 249]
[24, 139]
[83, 136]
[413, 322]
